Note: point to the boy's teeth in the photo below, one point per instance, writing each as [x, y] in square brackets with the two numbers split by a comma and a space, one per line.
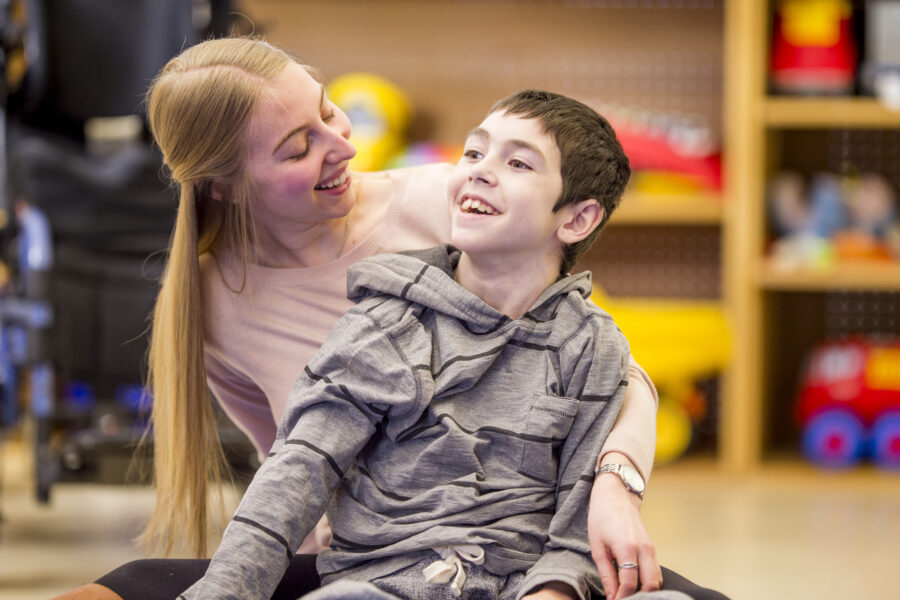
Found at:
[340, 180]
[470, 205]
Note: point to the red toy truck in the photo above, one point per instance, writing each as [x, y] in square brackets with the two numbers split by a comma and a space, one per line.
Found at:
[849, 404]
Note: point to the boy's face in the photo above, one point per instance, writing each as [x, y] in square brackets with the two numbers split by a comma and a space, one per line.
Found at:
[503, 190]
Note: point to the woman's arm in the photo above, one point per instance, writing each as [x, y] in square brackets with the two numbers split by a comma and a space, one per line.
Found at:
[615, 529]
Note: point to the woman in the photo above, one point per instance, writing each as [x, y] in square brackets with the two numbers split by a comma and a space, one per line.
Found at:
[269, 220]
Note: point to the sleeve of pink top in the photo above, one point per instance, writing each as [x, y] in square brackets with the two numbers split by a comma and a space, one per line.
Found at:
[318, 539]
[634, 433]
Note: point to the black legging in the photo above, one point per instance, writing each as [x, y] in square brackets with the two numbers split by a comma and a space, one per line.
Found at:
[164, 579]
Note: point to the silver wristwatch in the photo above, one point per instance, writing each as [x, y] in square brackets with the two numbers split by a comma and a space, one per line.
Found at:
[633, 481]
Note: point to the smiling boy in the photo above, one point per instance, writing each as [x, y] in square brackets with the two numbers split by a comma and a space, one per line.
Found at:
[454, 416]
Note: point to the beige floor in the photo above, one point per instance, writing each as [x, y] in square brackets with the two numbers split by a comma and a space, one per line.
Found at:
[791, 532]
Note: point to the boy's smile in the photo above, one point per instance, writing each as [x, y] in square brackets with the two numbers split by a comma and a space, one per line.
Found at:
[503, 190]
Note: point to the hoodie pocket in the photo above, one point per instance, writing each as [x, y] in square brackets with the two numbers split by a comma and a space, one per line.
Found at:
[549, 422]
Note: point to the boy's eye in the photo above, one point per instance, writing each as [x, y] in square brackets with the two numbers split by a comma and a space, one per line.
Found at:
[518, 164]
[329, 114]
[473, 154]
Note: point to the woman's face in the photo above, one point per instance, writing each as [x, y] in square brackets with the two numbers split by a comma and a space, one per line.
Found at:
[298, 151]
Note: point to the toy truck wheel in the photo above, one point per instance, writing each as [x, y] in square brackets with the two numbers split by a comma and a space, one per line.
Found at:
[834, 439]
[886, 440]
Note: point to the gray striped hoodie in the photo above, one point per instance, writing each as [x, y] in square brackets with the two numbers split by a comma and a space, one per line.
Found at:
[430, 419]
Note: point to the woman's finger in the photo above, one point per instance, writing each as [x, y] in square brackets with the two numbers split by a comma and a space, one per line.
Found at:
[650, 572]
[628, 578]
[608, 576]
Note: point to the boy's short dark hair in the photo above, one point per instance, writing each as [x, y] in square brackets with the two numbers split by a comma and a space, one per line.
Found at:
[593, 164]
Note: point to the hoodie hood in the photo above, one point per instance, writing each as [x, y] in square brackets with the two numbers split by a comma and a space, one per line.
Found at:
[426, 278]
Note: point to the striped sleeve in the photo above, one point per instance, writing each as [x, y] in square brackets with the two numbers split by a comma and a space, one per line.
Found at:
[355, 382]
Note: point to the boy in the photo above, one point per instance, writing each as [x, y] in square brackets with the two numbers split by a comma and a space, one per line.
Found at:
[456, 412]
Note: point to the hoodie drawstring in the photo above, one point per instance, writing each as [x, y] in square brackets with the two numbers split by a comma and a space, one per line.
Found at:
[450, 567]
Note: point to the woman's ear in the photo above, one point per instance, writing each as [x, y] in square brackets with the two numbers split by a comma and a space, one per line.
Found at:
[219, 191]
[581, 219]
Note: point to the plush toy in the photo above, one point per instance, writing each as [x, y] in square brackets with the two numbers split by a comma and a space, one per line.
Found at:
[379, 113]
[872, 231]
[804, 220]
[836, 218]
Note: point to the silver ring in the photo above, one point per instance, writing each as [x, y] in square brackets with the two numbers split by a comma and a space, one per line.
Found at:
[628, 565]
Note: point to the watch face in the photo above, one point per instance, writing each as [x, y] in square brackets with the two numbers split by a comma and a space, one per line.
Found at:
[632, 478]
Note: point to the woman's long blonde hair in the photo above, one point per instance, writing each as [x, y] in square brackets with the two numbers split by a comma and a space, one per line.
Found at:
[198, 107]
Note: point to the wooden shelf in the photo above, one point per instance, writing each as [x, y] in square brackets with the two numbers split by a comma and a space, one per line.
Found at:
[702, 208]
[856, 275]
[814, 113]
[785, 472]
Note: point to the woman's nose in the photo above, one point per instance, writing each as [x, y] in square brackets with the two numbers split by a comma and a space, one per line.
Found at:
[341, 148]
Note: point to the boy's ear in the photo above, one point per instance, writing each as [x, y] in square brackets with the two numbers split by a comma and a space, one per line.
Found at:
[581, 219]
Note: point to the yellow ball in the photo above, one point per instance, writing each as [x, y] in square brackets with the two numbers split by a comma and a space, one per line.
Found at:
[379, 113]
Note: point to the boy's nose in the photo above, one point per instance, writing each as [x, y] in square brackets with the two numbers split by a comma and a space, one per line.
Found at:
[482, 172]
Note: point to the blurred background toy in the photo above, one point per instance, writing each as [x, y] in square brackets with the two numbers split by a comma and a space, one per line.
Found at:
[881, 69]
[805, 219]
[679, 343]
[836, 218]
[667, 154]
[872, 229]
[849, 404]
[423, 153]
[380, 114]
[813, 47]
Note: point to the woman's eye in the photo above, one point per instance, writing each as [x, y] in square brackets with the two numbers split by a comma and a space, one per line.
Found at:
[518, 164]
[300, 156]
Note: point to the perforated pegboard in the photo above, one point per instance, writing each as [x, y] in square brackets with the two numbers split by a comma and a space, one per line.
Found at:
[656, 59]
[874, 315]
[855, 151]
[653, 261]
[847, 152]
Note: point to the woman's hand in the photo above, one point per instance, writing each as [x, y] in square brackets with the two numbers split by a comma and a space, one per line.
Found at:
[617, 536]
[555, 590]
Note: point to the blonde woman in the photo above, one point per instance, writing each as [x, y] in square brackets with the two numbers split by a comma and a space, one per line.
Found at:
[269, 220]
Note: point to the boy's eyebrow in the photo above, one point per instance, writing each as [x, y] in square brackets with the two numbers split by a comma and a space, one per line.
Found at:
[479, 132]
[297, 130]
[483, 133]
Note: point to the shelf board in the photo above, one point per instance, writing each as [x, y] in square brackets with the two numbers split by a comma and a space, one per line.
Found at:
[813, 113]
[855, 275]
[699, 208]
[788, 472]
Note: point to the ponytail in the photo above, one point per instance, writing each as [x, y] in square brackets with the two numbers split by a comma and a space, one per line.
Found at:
[187, 454]
[199, 108]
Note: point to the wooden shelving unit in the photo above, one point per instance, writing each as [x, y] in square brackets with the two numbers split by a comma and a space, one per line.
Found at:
[857, 275]
[823, 113]
[669, 209]
[762, 296]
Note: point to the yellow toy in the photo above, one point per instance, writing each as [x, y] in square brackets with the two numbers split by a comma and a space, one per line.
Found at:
[677, 342]
[379, 113]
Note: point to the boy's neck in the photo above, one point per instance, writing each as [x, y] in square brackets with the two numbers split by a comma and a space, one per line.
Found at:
[510, 287]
